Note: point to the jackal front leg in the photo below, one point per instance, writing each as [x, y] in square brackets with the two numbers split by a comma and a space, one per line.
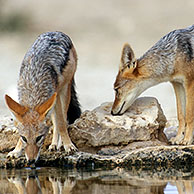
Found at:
[17, 151]
[55, 138]
[181, 106]
[188, 139]
[60, 112]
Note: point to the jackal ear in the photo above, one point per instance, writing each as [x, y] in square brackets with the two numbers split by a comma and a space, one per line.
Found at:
[128, 58]
[44, 108]
[17, 109]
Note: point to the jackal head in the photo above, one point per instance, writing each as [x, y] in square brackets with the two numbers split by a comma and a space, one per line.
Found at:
[33, 125]
[130, 82]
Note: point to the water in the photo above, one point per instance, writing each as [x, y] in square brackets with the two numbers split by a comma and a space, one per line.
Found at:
[122, 181]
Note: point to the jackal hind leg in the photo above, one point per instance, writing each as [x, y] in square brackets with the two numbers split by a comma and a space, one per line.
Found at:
[61, 108]
[188, 139]
[181, 106]
[17, 151]
[55, 139]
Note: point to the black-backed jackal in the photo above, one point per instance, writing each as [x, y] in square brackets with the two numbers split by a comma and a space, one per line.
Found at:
[170, 59]
[46, 88]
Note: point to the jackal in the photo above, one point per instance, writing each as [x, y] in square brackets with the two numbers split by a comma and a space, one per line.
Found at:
[170, 59]
[46, 88]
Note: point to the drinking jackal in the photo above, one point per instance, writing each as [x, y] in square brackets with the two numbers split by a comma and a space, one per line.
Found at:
[46, 88]
[170, 59]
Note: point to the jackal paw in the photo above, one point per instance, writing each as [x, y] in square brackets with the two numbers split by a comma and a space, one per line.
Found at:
[14, 154]
[186, 141]
[69, 148]
[52, 147]
[177, 140]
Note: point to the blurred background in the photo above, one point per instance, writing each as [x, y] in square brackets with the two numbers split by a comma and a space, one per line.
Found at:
[98, 29]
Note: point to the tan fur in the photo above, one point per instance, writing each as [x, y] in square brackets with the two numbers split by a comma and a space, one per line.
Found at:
[171, 59]
[59, 115]
[60, 124]
[43, 109]
[18, 110]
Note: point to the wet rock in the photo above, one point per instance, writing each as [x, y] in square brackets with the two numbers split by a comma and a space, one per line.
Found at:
[133, 139]
[144, 121]
[174, 157]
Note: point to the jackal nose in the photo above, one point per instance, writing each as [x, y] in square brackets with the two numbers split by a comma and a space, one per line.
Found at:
[112, 113]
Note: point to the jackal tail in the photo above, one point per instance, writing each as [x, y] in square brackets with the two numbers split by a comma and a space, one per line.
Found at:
[74, 110]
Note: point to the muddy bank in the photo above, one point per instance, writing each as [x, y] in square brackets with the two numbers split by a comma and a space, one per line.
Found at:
[151, 157]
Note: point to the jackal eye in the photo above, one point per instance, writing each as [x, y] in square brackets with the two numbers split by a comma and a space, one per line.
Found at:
[24, 139]
[39, 138]
[128, 65]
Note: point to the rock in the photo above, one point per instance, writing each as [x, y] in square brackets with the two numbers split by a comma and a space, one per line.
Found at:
[8, 134]
[133, 139]
[144, 121]
[175, 157]
[171, 128]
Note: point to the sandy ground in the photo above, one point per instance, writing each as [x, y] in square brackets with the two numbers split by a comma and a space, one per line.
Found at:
[98, 30]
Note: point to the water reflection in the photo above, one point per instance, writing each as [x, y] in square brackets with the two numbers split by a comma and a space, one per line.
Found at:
[52, 180]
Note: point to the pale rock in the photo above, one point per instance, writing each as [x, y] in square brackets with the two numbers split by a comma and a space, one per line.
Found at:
[144, 121]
